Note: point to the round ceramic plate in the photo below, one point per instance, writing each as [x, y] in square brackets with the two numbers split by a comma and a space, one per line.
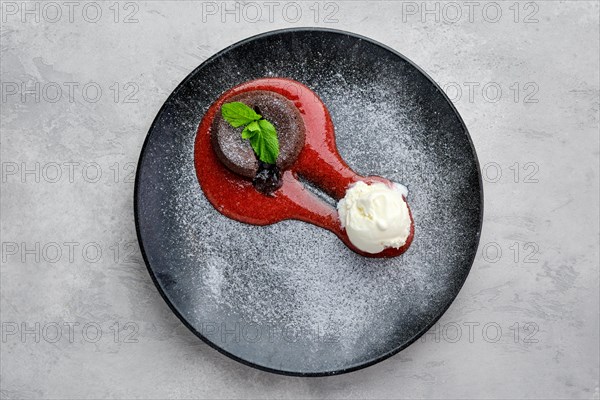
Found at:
[290, 297]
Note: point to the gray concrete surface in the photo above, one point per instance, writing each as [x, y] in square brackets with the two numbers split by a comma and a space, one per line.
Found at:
[80, 316]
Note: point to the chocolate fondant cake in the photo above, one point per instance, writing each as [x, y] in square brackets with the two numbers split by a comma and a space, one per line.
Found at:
[237, 154]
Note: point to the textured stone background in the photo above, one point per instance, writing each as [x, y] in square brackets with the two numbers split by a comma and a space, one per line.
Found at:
[525, 325]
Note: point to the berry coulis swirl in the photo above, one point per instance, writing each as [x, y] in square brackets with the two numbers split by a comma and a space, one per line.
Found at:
[318, 162]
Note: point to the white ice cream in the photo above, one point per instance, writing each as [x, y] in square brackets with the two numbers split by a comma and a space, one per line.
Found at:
[375, 216]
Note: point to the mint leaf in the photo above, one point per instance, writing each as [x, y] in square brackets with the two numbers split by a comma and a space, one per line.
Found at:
[238, 114]
[267, 128]
[260, 132]
[250, 130]
[265, 142]
[247, 133]
[253, 126]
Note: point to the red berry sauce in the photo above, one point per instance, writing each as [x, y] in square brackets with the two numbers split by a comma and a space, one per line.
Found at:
[319, 162]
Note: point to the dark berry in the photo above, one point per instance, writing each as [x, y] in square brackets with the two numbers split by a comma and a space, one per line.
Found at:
[267, 179]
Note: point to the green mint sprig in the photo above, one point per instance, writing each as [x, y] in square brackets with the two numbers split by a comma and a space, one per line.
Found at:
[260, 132]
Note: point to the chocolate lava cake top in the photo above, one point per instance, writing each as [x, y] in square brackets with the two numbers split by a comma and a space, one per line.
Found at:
[236, 153]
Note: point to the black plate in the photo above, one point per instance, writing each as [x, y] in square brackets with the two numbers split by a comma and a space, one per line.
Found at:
[291, 298]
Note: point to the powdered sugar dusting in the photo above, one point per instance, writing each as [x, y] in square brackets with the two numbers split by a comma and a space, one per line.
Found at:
[315, 304]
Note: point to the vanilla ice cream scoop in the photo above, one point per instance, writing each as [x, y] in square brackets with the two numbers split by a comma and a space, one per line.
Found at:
[375, 216]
